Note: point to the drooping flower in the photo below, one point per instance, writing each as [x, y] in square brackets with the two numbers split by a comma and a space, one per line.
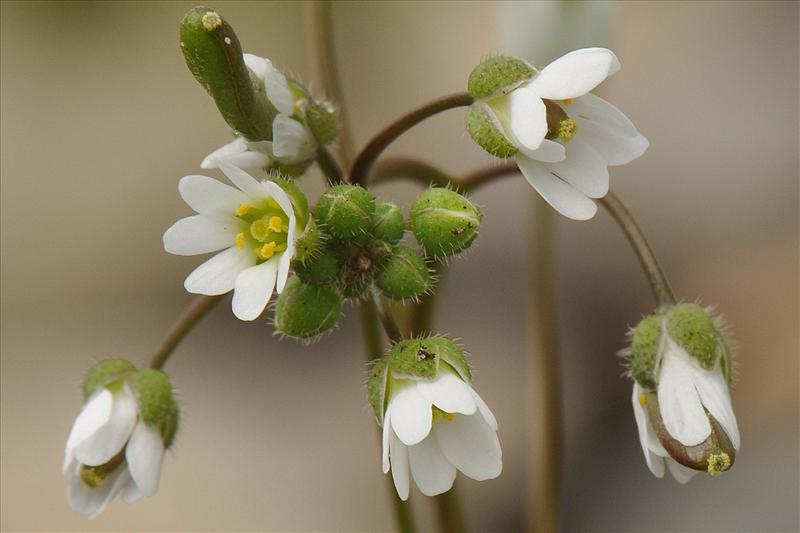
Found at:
[562, 137]
[256, 225]
[434, 423]
[681, 398]
[118, 440]
[292, 141]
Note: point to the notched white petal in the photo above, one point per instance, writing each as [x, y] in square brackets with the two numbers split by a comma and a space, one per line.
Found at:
[679, 402]
[583, 168]
[253, 290]
[449, 393]
[471, 445]
[575, 73]
[201, 234]
[527, 118]
[431, 470]
[562, 196]
[145, 453]
[109, 439]
[94, 415]
[218, 274]
[412, 414]
[207, 195]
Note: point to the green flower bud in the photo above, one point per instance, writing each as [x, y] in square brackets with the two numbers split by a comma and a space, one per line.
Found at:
[323, 122]
[309, 244]
[323, 268]
[444, 222]
[157, 406]
[421, 358]
[376, 387]
[214, 56]
[498, 75]
[645, 342]
[105, 373]
[450, 353]
[404, 275]
[305, 311]
[483, 130]
[388, 223]
[346, 211]
[692, 328]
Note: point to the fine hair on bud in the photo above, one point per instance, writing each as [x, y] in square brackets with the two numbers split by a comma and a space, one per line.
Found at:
[346, 211]
[388, 223]
[498, 75]
[444, 222]
[305, 311]
[404, 275]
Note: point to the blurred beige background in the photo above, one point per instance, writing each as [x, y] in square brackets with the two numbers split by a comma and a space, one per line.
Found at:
[100, 118]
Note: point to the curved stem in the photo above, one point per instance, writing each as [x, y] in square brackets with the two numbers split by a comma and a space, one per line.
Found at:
[647, 258]
[386, 316]
[329, 166]
[188, 319]
[360, 171]
[393, 168]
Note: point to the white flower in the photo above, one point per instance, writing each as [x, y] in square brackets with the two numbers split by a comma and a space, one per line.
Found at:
[687, 395]
[254, 223]
[566, 136]
[435, 427]
[292, 141]
[111, 450]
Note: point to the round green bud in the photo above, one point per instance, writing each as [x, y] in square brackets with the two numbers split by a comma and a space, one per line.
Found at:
[498, 75]
[483, 130]
[153, 391]
[323, 268]
[214, 55]
[297, 197]
[451, 353]
[376, 387]
[692, 328]
[645, 342]
[104, 374]
[322, 120]
[388, 223]
[346, 211]
[305, 311]
[413, 358]
[310, 243]
[444, 222]
[404, 275]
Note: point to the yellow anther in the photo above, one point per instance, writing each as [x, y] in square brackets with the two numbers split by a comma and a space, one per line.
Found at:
[448, 416]
[243, 209]
[273, 204]
[211, 21]
[567, 101]
[268, 250]
[567, 128]
[240, 239]
[718, 463]
[276, 224]
[642, 399]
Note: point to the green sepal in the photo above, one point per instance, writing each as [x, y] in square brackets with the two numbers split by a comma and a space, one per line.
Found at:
[452, 354]
[645, 343]
[414, 358]
[104, 374]
[304, 311]
[153, 391]
[169, 425]
[310, 243]
[377, 383]
[346, 211]
[293, 170]
[323, 268]
[322, 121]
[444, 222]
[692, 328]
[298, 199]
[498, 75]
[404, 275]
[388, 223]
[214, 55]
[485, 132]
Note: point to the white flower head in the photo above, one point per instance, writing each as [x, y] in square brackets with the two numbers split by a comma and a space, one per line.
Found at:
[563, 137]
[432, 426]
[114, 447]
[256, 225]
[681, 398]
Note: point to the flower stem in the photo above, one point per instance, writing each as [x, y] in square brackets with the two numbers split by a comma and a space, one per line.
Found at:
[329, 166]
[196, 310]
[387, 318]
[361, 167]
[647, 258]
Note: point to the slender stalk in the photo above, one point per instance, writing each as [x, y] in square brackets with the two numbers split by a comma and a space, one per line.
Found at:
[188, 319]
[422, 315]
[393, 168]
[361, 168]
[647, 258]
[386, 316]
[329, 166]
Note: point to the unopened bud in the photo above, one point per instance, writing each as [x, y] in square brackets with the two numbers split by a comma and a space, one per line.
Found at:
[105, 373]
[498, 75]
[483, 130]
[444, 222]
[305, 311]
[323, 122]
[320, 269]
[157, 407]
[404, 275]
[346, 211]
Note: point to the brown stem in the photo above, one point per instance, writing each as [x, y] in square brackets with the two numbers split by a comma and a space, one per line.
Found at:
[188, 319]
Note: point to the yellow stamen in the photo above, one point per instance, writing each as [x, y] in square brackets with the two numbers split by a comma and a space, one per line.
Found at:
[211, 21]
[240, 239]
[243, 209]
[276, 224]
[567, 101]
[718, 463]
[448, 416]
[268, 250]
[273, 204]
[567, 128]
[642, 399]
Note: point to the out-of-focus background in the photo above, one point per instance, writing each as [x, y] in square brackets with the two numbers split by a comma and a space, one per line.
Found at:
[100, 118]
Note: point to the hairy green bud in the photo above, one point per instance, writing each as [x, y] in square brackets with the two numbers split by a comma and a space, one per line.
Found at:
[323, 122]
[305, 311]
[153, 391]
[309, 244]
[444, 222]
[645, 342]
[346, 211]
[483, 130]
[452, 354]
[105, 373]
[692, 328]
[404, 275]
[414, 358]
[376, 387]
[498, 75]
[388, 223]
[323, 268]
[214, 55]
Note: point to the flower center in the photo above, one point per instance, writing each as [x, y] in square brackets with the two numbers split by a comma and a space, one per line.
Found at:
[93, 476]
[559, 125]
[439, 415]
[267, 229]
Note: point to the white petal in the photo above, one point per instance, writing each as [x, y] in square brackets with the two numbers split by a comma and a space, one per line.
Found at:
[681, 473]
[484, 410]
[412, 414]
[258, 65]
[564, 198]
[292, 142]
[449, 393]
[109, 439]
[575, 73]
[399, 457]
[144, 454]
[226, 152]
[200, 234]
[207, 195]
[527, 118]
[218, 274]
[93, 416]
[471, 445]
[92, 502]
[681, 410]
[431, 470]
[278, 90]
[253, 289]
[246, 183]
[654, 462]
[603, 113]
[614, 148]
[385, 440]
[130, 492]
[549, 151]
[716, 397]
[245, 159]
[583, 168]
